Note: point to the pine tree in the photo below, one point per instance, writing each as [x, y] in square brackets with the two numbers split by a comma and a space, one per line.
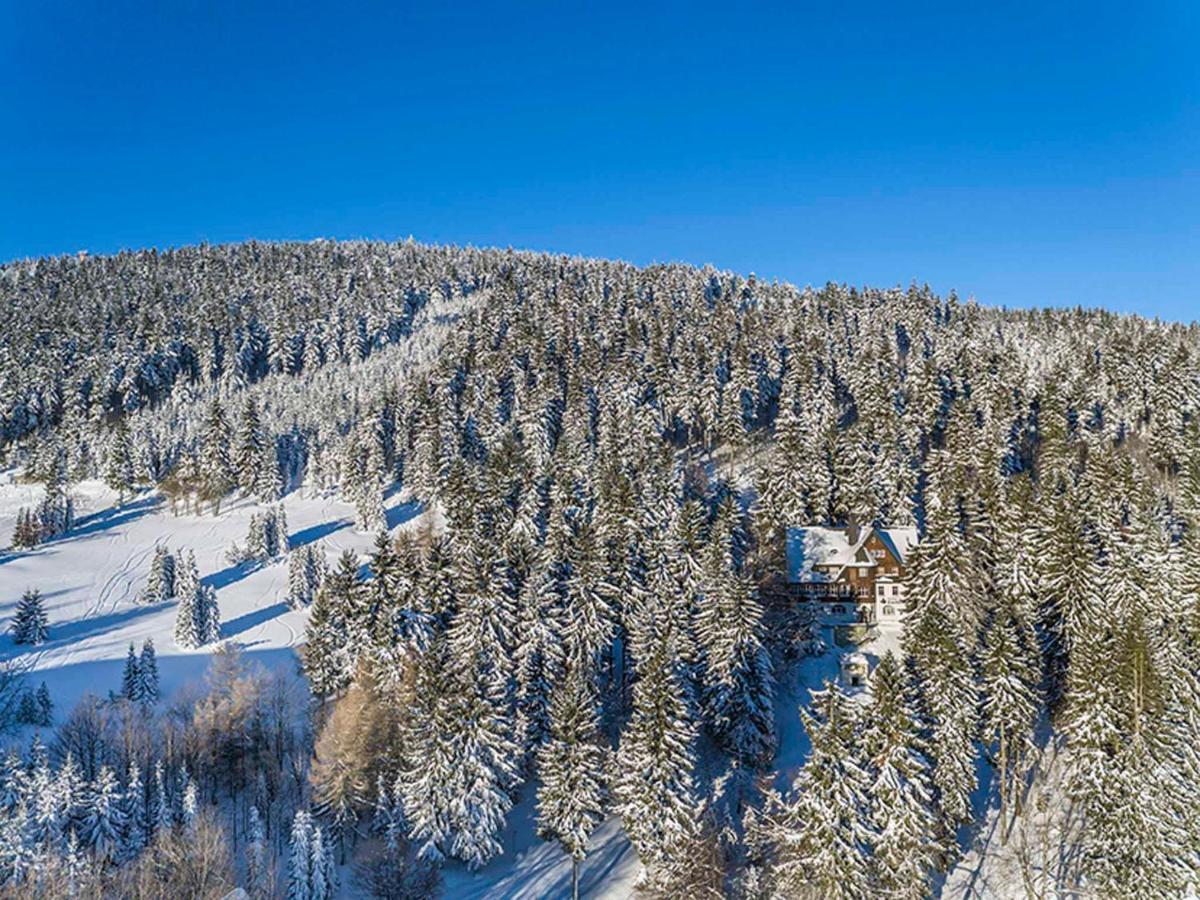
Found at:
[328, 655]
[822, 835]
[104, 823]
[248, 447]
[208, 615]
[216, 469]
[186, 633]
[299, 869]
[320, 887]
[460, 759]
[324, 870]
[27, 533]
[306, 571]
[1010, 677]
[571, 766]
[131, 681]
[269, 485]
[654, 788]
[258, 878]
[939, 633]
[158, 811]
[161, 584]
[134, 812]
[900, 797]
[45, 706]
[738, 684]
[148, 672]
[30, 625]
[118, 472]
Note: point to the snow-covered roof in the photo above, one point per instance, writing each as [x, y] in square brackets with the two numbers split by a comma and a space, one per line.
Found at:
[808, 547]
[819, 554]
[899, 541]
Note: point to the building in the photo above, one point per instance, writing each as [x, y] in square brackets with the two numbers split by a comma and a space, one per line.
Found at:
[855, 574]
[855, 670]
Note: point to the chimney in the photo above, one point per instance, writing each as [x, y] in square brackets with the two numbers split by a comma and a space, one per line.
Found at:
[853, 531]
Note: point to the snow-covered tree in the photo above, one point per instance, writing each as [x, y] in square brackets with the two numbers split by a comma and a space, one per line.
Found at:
[822, 834]
[571, 765]
[148, 672]
[30, 625]
[131, 680]
[104, 825]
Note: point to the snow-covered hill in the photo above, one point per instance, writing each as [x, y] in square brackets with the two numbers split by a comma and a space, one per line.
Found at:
[91, 577]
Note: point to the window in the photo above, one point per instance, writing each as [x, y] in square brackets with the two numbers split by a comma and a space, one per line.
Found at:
[862, 573]
[889, 610]
[839, 610]
[895, 590]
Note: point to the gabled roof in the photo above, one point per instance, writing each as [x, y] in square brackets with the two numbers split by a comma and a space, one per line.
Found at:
[822, 554]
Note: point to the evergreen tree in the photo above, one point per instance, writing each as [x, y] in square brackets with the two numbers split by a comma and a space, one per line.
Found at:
[187, 613]
[258, 879]
[822, 836]
[739, 686]
[248, 447]
[45, 706]
[216, 469]
[118, 471]
[30, 625]
[299, 868]
[654, 788]
[1010, 676]
[131, 681]
[134, 813]
[328, 654]
[148, 672]
[161, 584]
[900, 797]
[571, 766]
[104, 824]
[939, 634]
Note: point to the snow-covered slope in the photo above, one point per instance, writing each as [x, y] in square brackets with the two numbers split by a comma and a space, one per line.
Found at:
[90, 579]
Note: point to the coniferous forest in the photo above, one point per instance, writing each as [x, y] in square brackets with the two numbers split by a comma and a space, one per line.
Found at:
[587, 616]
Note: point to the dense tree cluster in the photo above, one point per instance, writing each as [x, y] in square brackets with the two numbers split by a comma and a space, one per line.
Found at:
[609, 458]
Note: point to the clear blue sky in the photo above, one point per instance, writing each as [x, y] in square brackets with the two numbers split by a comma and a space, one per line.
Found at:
[1032, 154]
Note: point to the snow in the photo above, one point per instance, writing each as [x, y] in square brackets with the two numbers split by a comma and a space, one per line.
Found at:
[819, 546]
[90, 577]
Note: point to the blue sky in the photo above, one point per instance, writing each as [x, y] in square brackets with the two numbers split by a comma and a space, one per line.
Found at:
[1027, 154]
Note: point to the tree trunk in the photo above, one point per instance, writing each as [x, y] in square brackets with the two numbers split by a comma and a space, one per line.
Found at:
[574, 878]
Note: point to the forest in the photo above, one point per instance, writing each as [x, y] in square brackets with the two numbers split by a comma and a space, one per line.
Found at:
[591, 612]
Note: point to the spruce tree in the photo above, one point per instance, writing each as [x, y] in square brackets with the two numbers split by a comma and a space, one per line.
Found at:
[822, 835]
[900, 796]
[571, 766]
[161, 583]
[104, 823]
[299, 867]
[247, 455]
[654, 788]
[131, 680]
[258, 877]
[328, 653]
[118, 471]
[148, 672]
[30, 625]
[216, 469]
